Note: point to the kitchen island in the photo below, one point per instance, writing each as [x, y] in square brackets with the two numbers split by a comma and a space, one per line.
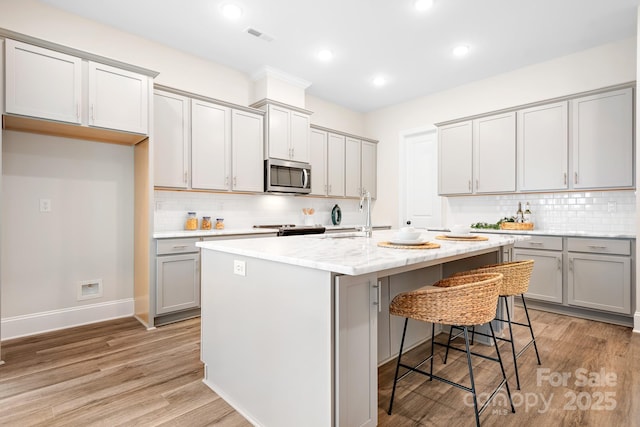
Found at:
[289, 324]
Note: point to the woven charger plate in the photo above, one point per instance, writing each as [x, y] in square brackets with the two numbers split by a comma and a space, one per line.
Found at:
[460, 239]
[427, 245]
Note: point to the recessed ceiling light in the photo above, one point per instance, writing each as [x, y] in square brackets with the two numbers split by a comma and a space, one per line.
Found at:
[379, 81]
[461, 50]
[231, 11]
[422, 5]
[325, 55]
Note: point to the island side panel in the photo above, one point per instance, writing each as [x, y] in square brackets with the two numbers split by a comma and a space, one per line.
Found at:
[267, 339]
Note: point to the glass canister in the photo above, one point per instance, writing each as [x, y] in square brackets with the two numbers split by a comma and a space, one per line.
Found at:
[192, 221]
[206, 223]
[219, 223]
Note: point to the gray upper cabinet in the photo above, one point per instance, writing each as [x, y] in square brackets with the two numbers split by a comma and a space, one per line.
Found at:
[118, 99]
[602, 138]
[575, 143]
[455, 143]
[45, 84]
[318, 149]
[353, 167]
[543, 144]
[204, 145]
[335, 165]
[478, 156]
[247, 137]
[287, 133]
[210, 145]
[171, 140]
[494, 153]
[42, 83]
[370, 168]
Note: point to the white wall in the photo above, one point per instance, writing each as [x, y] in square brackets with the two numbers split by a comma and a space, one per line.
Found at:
[335, 117]
[602, 66]
[87, 235]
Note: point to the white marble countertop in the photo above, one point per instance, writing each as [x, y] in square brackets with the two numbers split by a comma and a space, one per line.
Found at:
[239, 231]
[600, 234]
[351, 253]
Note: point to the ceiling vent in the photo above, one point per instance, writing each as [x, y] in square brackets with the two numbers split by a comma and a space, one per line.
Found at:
[259, 34]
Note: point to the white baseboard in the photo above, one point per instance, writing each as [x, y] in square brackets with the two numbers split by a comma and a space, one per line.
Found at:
[36, 323]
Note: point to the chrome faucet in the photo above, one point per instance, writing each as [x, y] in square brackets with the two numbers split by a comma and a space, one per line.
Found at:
[366, 228]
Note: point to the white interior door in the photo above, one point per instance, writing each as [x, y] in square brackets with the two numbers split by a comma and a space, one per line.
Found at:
[420, 202]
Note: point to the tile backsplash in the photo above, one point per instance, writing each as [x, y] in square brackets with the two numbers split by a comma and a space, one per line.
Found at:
[598, 211]
[244, 211]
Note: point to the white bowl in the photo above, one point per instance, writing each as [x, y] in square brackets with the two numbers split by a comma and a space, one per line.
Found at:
[408, 233]
[460, 229]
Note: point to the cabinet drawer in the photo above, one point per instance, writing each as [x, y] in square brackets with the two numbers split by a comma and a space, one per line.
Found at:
[541, 242]
[177, 246]
[600, 246]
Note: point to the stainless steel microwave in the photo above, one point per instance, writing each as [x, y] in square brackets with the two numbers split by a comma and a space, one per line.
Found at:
[284, 176]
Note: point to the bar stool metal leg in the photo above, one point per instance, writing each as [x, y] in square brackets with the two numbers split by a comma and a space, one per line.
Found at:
[473, 384]
[504, 375]
[395, 377]
[533, 338]
[511, 341]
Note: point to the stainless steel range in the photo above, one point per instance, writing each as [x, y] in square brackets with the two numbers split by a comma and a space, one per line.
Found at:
[294, 230]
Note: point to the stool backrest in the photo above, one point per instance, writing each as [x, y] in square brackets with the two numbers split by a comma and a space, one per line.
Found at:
[517, 275]
[457, 300]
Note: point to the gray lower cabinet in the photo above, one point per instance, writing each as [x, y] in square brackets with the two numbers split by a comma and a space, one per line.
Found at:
[546, 278]
[177, 275]
[599, 275]
[587, 277]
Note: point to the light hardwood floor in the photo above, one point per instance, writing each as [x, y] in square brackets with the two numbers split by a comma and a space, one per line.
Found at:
[117, 373]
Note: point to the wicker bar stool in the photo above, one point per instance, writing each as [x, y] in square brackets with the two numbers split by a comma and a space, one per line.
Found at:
[461, 301]
[517, 275]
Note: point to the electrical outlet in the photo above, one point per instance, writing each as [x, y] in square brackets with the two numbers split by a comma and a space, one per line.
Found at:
[239, 267]
[45, 205]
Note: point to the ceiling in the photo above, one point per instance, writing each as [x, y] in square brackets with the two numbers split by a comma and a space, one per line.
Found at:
[372, 37]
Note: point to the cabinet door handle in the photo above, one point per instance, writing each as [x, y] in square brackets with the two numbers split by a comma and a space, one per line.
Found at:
[597, 247]
[378, 288]
[559, 264]
[477, 185]
[565, 178]
[185, 177]
[235, 181]
[226, 180]
[180, 246]
[570, 265]
[470, 185]
[536, 243]
[92, 118]
[78, 111]
[575, 177]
